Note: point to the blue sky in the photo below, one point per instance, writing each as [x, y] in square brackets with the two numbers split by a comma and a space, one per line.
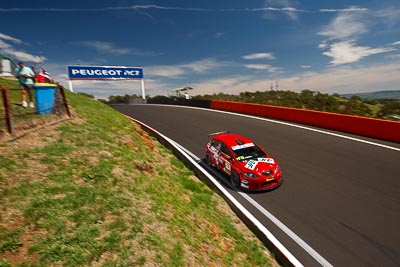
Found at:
[331, 46]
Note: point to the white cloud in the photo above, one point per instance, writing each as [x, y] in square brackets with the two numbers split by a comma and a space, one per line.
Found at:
[203, 65]
[9, 50]
[9, 38]
[165, 71]
[396, 43]
[4, 45]
[347, 80]
[200, 66]
[112, 8]
[110, 48]
[285, 3]
[344, 26]
[258, 66]
[390, 16]
[396, 56]
[20, 55]
[260, 56]
[343, 33]
[105, 47]
[305, 66]
[228, 85]
[337, 80]
[350, 9]
[219, 34]
[262, 67]
[284, 6]
[323, 45]
[347, 52]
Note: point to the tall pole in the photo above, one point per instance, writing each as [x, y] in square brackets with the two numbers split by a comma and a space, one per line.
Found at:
[70, 86]
[143, 91]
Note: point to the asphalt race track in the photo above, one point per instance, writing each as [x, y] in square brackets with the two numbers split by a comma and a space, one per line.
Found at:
[340, 196]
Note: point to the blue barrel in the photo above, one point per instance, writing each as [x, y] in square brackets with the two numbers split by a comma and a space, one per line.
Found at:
[44, 96]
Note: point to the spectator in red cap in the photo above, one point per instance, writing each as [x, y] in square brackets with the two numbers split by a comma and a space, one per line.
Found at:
[44, 77]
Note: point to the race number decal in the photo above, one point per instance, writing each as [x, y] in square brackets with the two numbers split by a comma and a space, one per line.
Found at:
[228, 166]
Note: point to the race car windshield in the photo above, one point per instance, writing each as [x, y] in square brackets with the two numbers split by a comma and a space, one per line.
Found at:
[248, 153]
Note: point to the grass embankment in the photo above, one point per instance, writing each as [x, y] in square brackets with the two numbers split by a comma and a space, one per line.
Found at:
[98, 191]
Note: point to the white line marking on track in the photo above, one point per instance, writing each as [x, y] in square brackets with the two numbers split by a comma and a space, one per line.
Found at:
[286, 230]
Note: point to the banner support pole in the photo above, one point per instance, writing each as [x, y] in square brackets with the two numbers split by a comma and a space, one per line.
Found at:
[143, 91]
[70, 86]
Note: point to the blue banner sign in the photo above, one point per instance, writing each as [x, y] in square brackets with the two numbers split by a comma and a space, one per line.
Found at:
[104, 73]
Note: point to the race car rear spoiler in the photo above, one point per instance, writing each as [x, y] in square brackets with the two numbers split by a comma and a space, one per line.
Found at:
[212, 134]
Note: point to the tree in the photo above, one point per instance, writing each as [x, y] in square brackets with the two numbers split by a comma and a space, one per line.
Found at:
[389, 108]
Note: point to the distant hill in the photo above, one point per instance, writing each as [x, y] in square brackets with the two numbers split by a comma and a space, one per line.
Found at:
[389, 94]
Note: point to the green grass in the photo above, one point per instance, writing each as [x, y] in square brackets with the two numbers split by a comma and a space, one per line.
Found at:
[98, 191]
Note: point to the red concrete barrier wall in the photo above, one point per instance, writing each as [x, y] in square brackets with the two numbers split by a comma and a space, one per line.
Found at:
[375, 128]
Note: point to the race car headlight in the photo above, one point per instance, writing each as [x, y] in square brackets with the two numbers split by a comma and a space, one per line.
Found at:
[251, 175]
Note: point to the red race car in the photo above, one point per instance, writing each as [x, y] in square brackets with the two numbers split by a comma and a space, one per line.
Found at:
[247, 165]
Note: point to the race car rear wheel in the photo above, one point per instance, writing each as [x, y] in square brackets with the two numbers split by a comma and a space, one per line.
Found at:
[235, 179]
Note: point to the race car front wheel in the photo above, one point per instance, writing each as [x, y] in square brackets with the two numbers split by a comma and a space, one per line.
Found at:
[235, 179]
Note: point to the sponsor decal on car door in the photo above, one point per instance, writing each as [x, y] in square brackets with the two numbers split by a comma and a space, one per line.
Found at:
[226, 165]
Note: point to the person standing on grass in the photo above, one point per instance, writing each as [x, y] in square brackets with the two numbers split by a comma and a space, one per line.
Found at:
[25, 76]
